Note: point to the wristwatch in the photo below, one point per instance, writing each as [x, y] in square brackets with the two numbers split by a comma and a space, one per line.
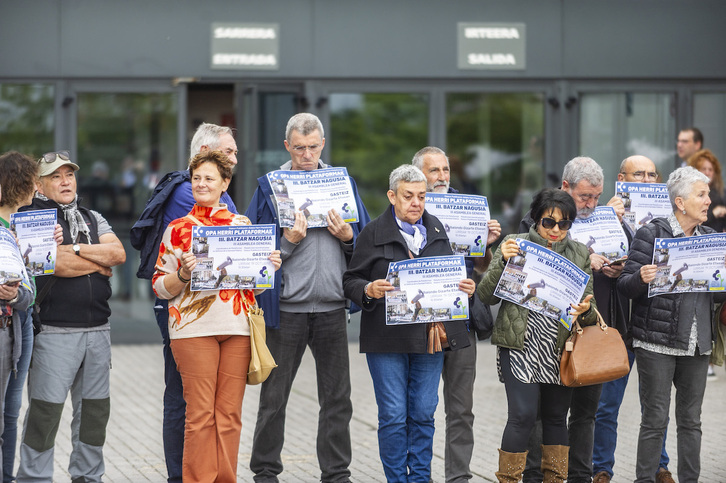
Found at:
[77, 249]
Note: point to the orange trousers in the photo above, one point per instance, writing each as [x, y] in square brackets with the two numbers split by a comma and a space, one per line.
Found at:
[214, 375]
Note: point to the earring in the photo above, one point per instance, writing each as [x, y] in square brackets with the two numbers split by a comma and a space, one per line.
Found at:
[684, 212]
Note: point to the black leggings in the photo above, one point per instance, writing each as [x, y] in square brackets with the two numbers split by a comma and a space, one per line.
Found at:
[522, 400]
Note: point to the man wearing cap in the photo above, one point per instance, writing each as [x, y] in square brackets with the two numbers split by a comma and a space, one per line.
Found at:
[73, 349]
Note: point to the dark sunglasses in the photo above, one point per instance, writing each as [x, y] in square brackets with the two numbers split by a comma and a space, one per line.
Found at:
[50, 157]
[549, 223]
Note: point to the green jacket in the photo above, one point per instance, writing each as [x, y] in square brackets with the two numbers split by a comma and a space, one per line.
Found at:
[511, 323]
[719, 346]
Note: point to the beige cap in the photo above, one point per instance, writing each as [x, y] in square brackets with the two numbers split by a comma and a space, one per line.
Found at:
[47, 168]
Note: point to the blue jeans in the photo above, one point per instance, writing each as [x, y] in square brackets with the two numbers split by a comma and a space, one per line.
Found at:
[14, 398]
[657, 372]
[174, 405]
[606, 425]
[326, 334]
[407, 393]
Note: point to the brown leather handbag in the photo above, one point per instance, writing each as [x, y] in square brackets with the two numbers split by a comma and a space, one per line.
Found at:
[593, 355]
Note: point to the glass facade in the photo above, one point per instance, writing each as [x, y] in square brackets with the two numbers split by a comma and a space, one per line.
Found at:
[126, 143]
[495, 144]
[709, 115]
[27, 120]
[614, 126]
[373, 133]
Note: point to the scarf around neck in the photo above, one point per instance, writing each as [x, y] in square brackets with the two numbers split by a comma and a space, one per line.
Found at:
[73, 216]
[414, 235]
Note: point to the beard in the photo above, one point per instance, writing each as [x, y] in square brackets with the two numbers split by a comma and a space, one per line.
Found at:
[585, 212]
[439, 187]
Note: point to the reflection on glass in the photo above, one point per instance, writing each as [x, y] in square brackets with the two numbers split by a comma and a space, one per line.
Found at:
[126, 143]
[709, 115]
[615, 126]
[496, 149]
[372, 134]
[275, 108]
[26, 118]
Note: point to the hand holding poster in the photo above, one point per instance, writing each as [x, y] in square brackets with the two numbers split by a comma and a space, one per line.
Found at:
[233, 257]
[542, 280]
[11, 262]
[314, 193]
[601, 233]
[689, 264]
[465, 220]
[643, 202]
[427, 290]
[35, 231]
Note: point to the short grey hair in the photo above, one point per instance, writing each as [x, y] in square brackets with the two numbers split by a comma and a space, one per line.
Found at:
[207, 135]
[406, 173]
[583, 168]
[304, 123]
[418, 158]
[680, 183]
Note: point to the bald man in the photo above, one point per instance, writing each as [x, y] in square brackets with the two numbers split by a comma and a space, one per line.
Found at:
[633, 169]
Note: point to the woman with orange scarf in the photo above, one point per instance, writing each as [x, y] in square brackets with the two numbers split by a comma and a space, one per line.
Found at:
[209, 330]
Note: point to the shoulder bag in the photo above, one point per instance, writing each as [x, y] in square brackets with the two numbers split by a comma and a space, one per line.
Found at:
[593, 355]
[261, 361]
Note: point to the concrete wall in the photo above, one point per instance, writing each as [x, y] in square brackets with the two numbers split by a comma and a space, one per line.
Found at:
[405, 39]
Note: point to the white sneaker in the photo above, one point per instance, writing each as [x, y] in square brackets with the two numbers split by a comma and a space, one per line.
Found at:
[711, 373]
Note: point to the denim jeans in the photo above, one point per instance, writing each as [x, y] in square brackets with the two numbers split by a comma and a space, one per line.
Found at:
[606, 425]
[581, 426]
[407, 393]
[326, 335]
[174, 405]
[657, 372]
[14, 398]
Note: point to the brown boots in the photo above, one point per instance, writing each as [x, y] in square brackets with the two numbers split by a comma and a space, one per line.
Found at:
[511, 466]
[554, 463]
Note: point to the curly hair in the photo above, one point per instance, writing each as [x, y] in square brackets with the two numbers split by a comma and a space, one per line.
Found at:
[697, 159]
[218, 158]
[18, 175]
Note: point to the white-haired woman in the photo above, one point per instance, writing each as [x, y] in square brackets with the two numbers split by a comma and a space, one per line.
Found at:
[672, 333]
[405, 377]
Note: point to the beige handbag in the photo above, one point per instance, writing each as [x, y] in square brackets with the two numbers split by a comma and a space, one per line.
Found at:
[261, 361]
[593, 355]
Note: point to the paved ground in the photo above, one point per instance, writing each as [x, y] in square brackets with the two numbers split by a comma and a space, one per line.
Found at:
[134, 449]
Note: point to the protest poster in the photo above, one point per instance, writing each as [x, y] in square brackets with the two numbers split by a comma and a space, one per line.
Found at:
[35, 231]
[689, 264]
[426, 290]
[601, 233]
[465, 220]
[542, 280]
[313, 193]
[11, 262]
[643, 202]
[233, 257]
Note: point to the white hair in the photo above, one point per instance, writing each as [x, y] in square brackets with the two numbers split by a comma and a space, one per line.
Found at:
[406, 173]
[680, 183]
[304, 123]
[583, 168]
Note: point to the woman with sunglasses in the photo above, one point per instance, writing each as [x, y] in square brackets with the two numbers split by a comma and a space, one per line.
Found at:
[529, 345]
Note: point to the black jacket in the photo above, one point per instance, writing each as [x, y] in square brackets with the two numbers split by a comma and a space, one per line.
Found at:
[655, 319]
[378, 244]
[76, 301]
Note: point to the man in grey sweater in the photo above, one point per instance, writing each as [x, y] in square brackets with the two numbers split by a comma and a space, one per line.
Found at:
[306, 308]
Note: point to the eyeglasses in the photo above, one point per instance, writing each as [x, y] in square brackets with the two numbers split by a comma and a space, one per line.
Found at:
[313, 149]
[550, 223]
[641, 175]
[50, 157]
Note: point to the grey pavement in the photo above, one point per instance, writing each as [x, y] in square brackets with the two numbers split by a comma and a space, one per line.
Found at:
[134, 450]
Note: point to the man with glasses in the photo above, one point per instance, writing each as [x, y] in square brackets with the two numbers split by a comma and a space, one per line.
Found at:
[306, 308]
[583, 179]
[633, 169]
[73, 348]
